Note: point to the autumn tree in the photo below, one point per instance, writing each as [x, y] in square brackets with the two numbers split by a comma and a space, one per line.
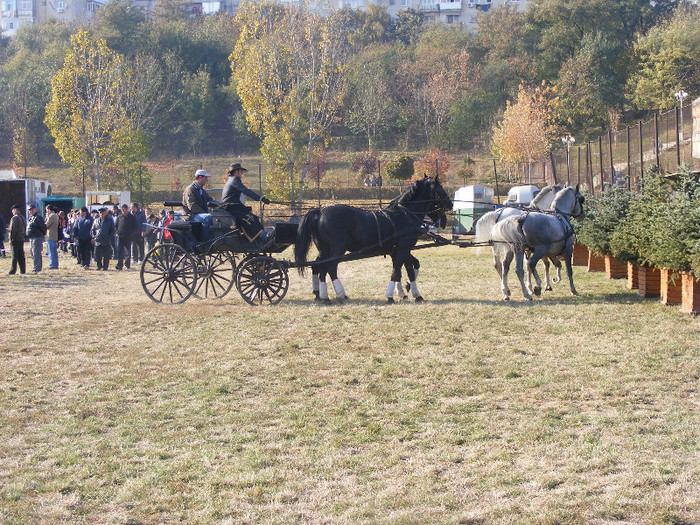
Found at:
[522, 135]
[289, 71]
[86, 113]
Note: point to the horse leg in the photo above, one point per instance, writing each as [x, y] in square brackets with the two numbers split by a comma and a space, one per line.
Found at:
[415, 264]
[547, 284]
[520, 273]
[506, 258]
[557, 264]
[394, 282]
[412, 276]
[322, 286]
[569, 270]
[532, 266]
[337, 285]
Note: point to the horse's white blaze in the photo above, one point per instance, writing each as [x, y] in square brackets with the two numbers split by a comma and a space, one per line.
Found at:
[390, 289]
[338, 287]
[322, 290]
[414, 289]
[314, 282]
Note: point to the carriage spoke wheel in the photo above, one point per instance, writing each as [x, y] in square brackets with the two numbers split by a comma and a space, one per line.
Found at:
[168, 274]
[262, 279]
[215, 274]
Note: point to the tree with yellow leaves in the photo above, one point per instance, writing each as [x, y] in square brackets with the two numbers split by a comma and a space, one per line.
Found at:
[523, 134]
[86, 114]
[289, 71]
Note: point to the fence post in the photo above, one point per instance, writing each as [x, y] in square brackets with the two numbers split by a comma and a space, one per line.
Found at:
[588, 145]
[578, 165]
[600, 162]
[641, 152]
[629, 161]
[656, 140]
[554, 168]
[379, 179]
[678, 139]
[612, 165]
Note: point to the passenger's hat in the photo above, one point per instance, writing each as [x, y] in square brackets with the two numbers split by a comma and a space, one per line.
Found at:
[236, 166]
[16, 207]
[31, 207]
[201, 173]
[102, 209]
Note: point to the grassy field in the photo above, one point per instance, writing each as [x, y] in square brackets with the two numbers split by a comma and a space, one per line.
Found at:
[462, 409]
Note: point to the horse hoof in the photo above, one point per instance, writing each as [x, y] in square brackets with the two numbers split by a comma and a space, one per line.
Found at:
[419, 299]
[404, 297]
[341, 300]
[505, 298]
[537, 291]
[390, 300]
[327, 301]
[528, 297]
[317, 298]
[548, 288]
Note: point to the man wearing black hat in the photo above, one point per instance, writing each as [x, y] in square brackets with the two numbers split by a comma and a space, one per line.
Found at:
[17, 225]
[232, 197]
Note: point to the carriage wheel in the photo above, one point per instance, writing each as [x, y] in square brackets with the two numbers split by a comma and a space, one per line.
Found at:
[262, 279]
[168, 274]
[215, 274]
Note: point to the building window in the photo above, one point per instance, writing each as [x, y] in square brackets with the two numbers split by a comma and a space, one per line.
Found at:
[25, 5]
[8, 5]
[452, 19]
[60, 6]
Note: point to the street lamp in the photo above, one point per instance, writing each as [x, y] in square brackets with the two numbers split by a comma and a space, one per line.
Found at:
[681, 95]
[568, 141]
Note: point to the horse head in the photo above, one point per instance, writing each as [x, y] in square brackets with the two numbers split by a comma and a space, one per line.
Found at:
[569, 201]
[439, 203]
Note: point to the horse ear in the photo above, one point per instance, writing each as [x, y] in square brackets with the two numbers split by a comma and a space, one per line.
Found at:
[437, 177]
[577, 188]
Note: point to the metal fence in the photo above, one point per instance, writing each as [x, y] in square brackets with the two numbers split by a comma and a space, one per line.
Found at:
[664, 140]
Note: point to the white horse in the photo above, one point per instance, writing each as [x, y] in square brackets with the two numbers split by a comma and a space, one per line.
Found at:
[541, 235]
[542, 201]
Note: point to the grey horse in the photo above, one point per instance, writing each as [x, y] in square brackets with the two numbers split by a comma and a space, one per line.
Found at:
[540, 235]
[542, 201]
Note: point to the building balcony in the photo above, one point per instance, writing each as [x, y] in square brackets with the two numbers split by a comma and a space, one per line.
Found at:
[440, 7]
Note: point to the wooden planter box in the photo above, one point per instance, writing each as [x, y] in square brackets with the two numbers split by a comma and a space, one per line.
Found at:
[580, 255]
[596, 263]
[690, 290]
[615, 269]
[670, 290]
[632, 276]
[649, 282]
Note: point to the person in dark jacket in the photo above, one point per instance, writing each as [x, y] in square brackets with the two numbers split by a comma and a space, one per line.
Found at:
[126, 228]
[138, 240]
[83, 234]
[3, 230]
[36, 230]
[102, 233]
[233, 201]
[17, 226]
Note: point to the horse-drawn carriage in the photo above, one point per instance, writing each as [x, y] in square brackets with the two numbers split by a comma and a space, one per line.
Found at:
[208, 269]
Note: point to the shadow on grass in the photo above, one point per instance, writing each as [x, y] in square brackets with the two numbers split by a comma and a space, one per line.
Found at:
[47, 281]
[622, 298]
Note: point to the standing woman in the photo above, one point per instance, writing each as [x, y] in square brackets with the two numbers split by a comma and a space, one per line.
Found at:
[52, 229]
[83, 233]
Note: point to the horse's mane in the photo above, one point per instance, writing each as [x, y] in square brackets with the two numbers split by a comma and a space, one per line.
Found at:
[407, 195]
[563, 194]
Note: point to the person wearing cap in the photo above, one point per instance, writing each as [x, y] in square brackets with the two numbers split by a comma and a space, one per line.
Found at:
[102, 232]
[195, 201]
[126, 226]
[233, 201]
[16, 228]
[36, 229]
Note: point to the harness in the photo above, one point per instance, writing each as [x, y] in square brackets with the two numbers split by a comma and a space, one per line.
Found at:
[564, 219]
[379, 229]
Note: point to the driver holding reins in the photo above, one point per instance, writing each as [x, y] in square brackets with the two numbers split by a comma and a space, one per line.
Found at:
[233, 201]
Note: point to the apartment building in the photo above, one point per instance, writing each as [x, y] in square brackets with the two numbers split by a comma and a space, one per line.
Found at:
[463, 13]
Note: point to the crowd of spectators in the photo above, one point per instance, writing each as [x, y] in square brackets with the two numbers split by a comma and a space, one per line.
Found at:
[123, 234]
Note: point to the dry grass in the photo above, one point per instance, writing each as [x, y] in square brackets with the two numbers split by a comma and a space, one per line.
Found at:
[459, 410]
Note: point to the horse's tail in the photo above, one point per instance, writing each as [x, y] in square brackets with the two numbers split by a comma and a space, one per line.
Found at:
[508, 234]
[308, 229]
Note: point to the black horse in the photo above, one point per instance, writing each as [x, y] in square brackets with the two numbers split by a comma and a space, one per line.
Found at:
[394, 231]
